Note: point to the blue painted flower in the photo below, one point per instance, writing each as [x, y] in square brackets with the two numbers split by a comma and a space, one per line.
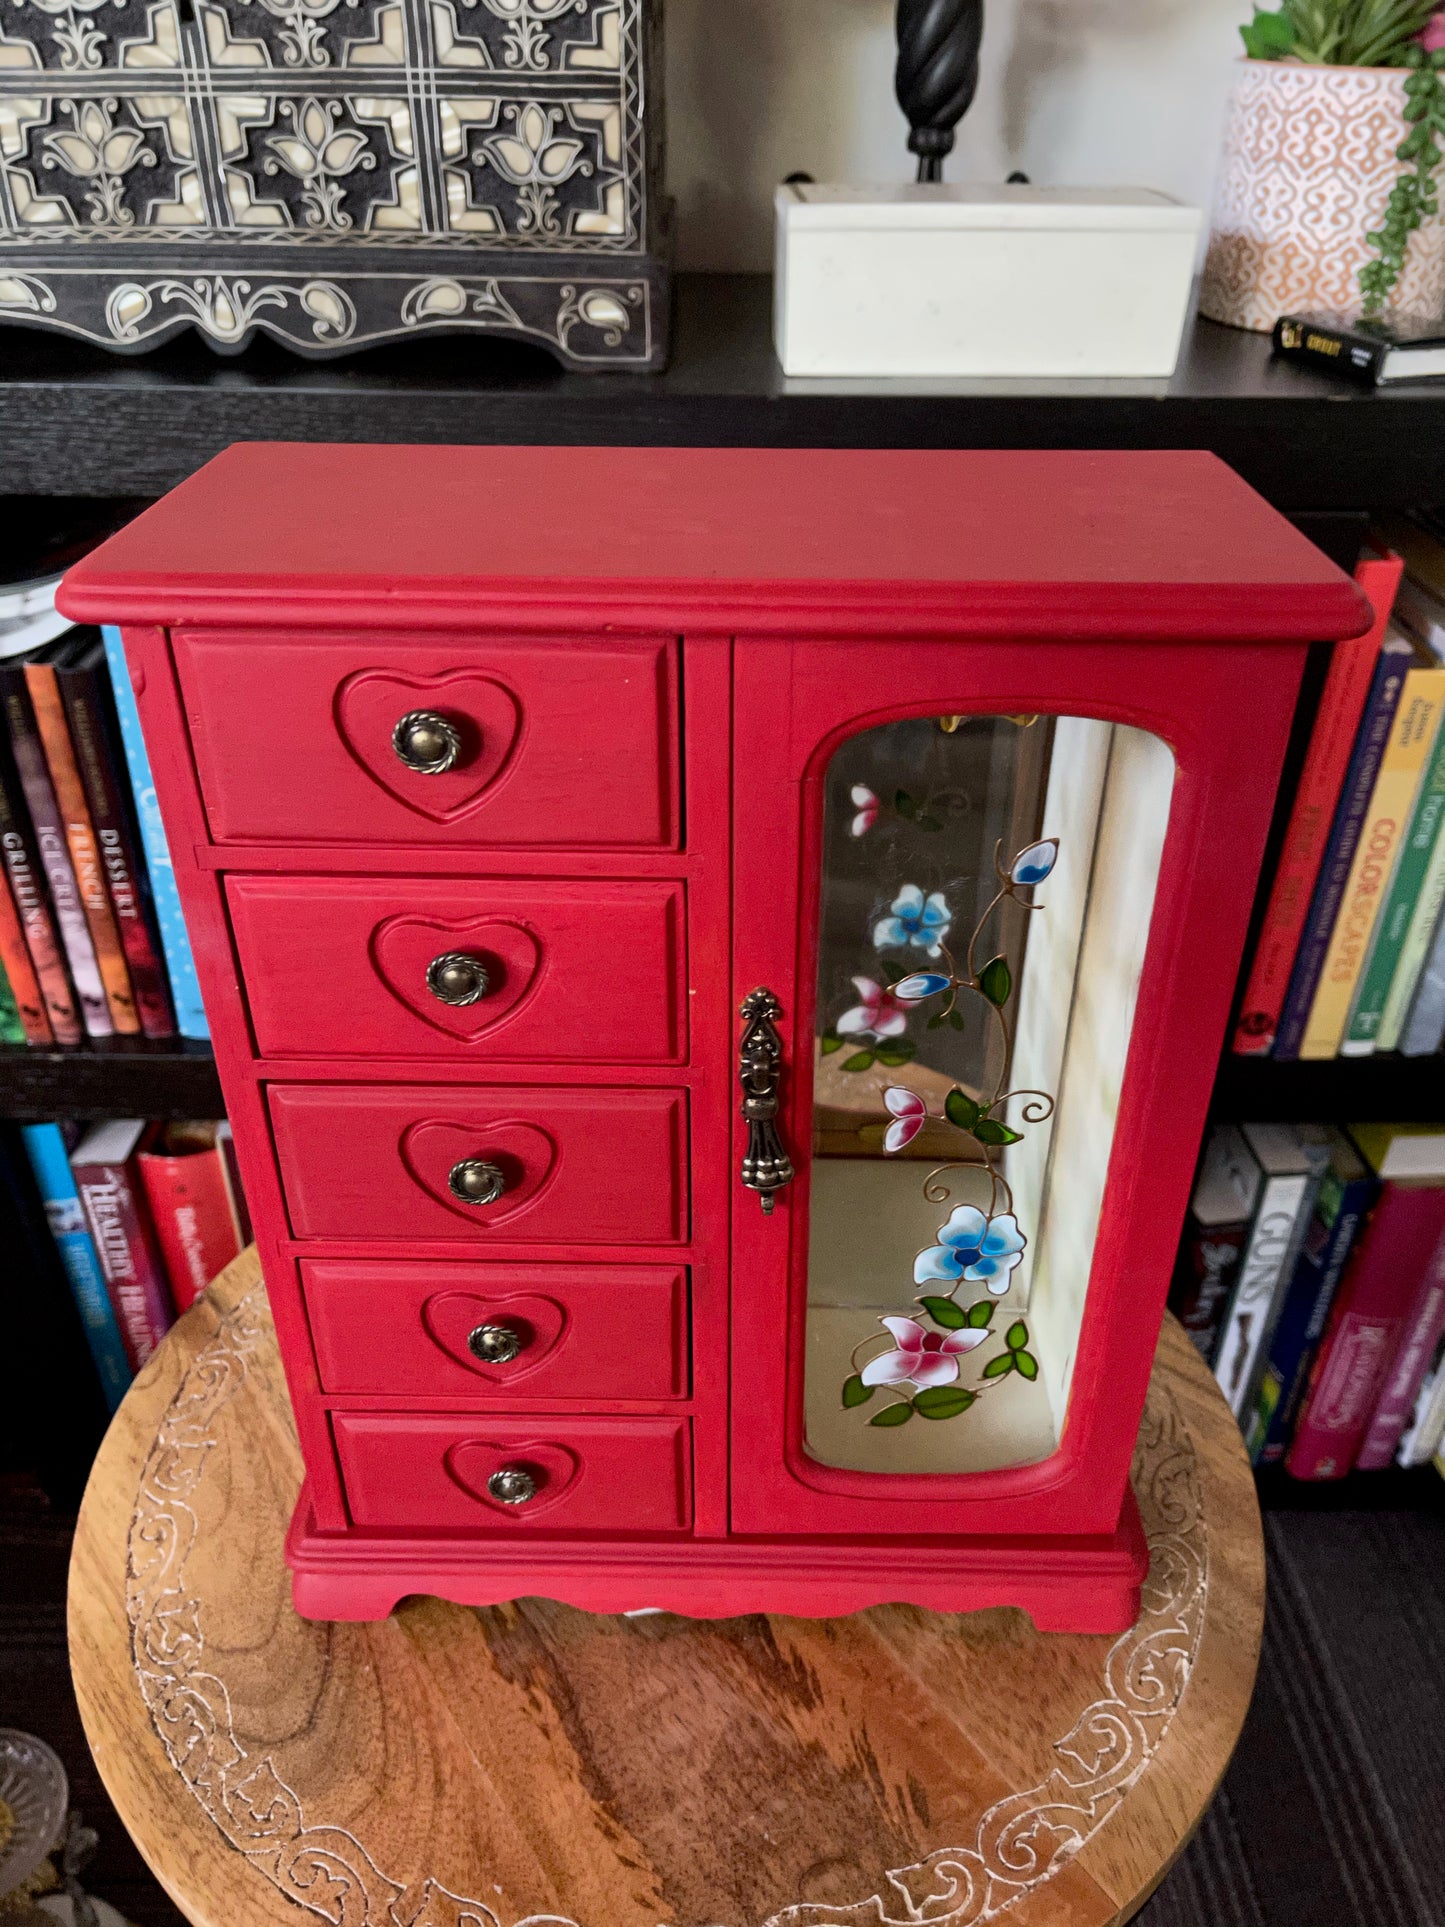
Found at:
[980, 1250]
[915, 919]
[1035, 863]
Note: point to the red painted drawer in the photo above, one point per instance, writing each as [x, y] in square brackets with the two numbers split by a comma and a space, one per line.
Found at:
[594, 1475]
[560, 742]
[580, 1166]
[338, 967]
[585, 1331]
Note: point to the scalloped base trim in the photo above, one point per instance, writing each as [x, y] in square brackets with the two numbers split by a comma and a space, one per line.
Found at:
[1065, 1586]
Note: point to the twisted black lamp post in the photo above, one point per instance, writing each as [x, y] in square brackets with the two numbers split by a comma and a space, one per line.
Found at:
[937, 73]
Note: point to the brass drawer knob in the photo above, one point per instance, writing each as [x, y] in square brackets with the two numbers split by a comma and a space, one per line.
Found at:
[512, 1485]
[426, 742]
[475, 1181]
[457, 978]
[494, 1344]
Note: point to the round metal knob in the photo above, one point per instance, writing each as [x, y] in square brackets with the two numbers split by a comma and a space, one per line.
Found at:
[426, 742]
[457, 978]
[512, 1485]
[475, 1181]
[494, 1344]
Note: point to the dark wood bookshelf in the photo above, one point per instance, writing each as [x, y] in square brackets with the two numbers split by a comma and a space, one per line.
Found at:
[75, 420]
[123, 1079]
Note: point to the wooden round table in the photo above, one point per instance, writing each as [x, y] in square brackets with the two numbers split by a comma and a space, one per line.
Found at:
[533, 1764]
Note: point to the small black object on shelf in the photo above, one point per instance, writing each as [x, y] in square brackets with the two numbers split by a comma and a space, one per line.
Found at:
[937, 74]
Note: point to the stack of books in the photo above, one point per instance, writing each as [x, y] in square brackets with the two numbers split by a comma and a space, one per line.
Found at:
[142, 1217]
[1311, 1277]
[1350, 958]
[92, 942]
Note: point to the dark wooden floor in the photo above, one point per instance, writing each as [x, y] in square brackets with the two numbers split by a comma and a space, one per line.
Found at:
[1332, 1814]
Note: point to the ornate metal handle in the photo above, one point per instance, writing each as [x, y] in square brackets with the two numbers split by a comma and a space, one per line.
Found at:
[457, 978]
[494, 1344]
[426, 742]
[766, 1168]
[475, 1181]
[512, 1485]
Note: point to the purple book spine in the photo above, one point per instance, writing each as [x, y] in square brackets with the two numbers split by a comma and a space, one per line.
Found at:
[1396, 658]
[1407, 1371]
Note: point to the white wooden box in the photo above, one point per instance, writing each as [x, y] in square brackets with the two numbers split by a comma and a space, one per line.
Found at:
[944, 280]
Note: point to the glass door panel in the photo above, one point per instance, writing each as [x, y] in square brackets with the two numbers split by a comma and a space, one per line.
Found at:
[986, 893]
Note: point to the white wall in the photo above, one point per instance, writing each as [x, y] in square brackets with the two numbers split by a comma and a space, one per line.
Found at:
[1081, 93]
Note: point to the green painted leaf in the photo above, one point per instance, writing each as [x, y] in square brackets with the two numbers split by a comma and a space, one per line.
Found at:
[859, 1061]
[1025, 1363]
[893, 1415]
[892, 970]
[988, 1130]
[855, 1392]
[943, 1401]
[979, 1313]
[898, 1050]
[995, 1368]
[1016, 1336]
[937, 1023]
[995, 980]
[960, 1110]
[929, 823]
[831, 1042]
[944, 1312]
[955, 1017]
[905, 805]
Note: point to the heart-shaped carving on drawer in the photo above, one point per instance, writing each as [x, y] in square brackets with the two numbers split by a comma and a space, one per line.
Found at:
[471, 1463]
[451, 1317]
[402, 948]
[484, 713]
[525, 1156]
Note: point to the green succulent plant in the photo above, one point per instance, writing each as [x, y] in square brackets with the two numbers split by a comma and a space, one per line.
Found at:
[1373, 33]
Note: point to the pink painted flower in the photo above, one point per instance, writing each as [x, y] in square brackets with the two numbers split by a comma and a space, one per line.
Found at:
[908, 1111]
[920, 1357]
[866, 804]
[878, 1012]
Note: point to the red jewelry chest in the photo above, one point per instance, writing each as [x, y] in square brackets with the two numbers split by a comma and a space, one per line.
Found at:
[716, 960]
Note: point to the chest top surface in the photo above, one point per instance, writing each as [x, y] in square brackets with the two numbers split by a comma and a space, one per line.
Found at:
[1102, 543]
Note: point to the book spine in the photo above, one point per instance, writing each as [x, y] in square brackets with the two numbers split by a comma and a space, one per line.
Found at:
[128, 1257]
[1391, 805]
[1207, 1267]
[1296, 1341]
[1407, 1370]
[49, 711]
[1250, 1316]
[1408, 889]
[54, 855]
[1347, 687]
[226, 1145]
[20, 975]
[190, 1208]
[1332, 351]
[12, 1031]
[32, 907]
[1374, 1300]
[1424, 1026]
[1339, 857]
[180, 965]
[45, 1148]
[84, 693]
[1426, 1429]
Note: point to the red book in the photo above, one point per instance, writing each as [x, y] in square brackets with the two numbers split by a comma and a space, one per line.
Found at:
[1419, 1337]
[20, 971]
[110, 1190]
[1374, 1303]
[32, 905]
[184, 1176]
[1332, 738]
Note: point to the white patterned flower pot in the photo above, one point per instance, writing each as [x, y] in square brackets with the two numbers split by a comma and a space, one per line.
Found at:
[1308, 164]
[335, 173]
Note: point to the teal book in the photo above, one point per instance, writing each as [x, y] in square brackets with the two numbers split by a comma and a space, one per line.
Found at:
[180, 964]
[50, 1161]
